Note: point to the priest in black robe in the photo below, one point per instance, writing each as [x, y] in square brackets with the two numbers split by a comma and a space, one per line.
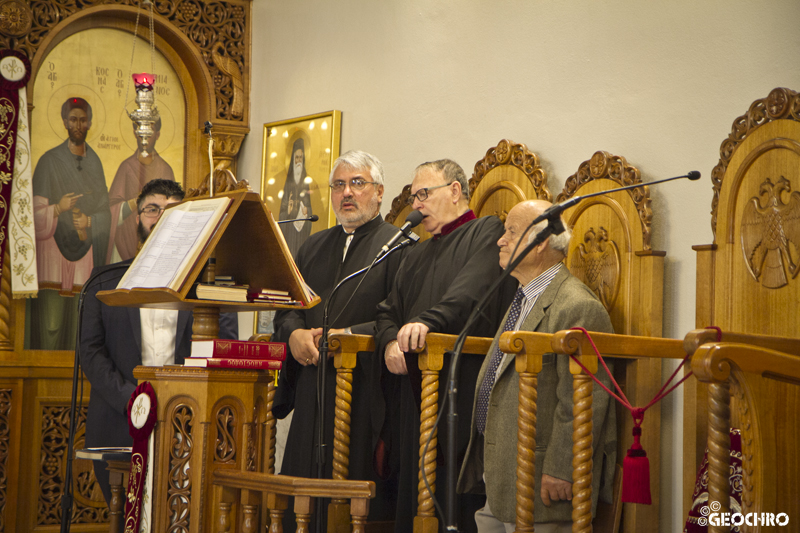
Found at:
[438, 285]
[324, 259]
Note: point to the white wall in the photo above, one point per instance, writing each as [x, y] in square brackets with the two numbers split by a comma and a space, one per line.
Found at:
[657, 82]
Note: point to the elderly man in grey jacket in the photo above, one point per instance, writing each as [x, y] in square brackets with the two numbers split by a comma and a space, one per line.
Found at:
[549, 299]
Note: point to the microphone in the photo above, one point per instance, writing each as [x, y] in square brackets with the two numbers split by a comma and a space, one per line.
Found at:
[412, 220]
[312, 218]
[554, 211]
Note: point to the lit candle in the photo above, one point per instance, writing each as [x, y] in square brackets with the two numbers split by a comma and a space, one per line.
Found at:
[143, 79]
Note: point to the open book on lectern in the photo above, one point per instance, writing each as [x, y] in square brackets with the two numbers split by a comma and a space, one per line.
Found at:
[246, 242]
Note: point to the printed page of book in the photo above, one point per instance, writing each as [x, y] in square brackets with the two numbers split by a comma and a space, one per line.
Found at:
[177, 240]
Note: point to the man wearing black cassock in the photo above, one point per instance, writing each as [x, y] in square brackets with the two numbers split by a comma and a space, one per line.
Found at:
[324, 259]
[438, 285]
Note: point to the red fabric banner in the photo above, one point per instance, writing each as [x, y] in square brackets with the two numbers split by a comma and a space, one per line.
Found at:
[141, 421]
[15, 72]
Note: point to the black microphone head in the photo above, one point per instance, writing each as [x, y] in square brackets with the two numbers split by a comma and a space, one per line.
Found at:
[414, 218]
[313, 218]
[693, 175]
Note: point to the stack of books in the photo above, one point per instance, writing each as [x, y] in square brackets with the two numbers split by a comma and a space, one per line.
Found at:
[271, 296]
[246, 355]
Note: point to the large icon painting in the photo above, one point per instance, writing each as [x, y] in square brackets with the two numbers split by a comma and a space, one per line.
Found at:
[88, 167]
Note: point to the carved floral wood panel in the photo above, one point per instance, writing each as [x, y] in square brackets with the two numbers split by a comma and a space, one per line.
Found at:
[217, 28]
[5, 443]
[89, 506]
[180, 481]
[225, 447]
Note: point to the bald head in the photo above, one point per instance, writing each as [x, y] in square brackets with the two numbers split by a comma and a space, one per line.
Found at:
[540, 258]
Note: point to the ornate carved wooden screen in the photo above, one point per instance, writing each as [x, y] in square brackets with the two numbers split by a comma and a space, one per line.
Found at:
[507, 175]
[610, 251]
[207, 44]
[747, 282]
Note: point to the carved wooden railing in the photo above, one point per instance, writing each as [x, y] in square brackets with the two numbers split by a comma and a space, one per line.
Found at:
[237, 499]
[530, 348]
[714, 363]
[431, 361]
[343, 349]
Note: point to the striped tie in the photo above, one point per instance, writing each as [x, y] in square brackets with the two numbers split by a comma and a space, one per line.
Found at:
[494, 364]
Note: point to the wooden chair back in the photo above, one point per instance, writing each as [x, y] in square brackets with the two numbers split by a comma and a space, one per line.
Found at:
[747, 283]
[610, 252]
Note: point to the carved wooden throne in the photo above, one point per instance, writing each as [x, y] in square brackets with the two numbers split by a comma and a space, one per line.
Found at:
[747, 282]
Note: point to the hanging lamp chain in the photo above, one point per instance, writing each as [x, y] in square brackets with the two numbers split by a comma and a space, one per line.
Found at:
[152, 40]
[130, 67]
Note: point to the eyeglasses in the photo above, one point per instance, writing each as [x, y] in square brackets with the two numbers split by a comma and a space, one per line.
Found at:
[356, 184]
[422, 194]
[152, 211]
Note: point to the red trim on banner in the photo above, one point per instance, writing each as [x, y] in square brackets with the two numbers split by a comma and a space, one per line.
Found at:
[139, 459]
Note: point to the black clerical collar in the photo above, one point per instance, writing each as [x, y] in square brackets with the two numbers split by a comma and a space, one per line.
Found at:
[450, 227]
[366, 227]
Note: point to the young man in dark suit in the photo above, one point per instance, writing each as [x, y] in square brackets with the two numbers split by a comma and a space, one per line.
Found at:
[114, 340]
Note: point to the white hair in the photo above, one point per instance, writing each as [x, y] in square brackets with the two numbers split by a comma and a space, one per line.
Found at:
[357, 160]
[558, 242]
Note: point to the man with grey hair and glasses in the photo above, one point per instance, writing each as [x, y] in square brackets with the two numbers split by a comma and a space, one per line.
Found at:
[324, 259]
[549, 299]
[436, 289]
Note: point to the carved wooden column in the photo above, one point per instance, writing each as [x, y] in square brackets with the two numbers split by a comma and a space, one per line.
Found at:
[528, 364]
[344, 349]
[582, 387]
[430, 364]
[6, 342]
[719, 448]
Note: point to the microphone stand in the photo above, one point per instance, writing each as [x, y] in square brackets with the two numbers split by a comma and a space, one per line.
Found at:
[323, 361]
[66, 494]
[554, 227]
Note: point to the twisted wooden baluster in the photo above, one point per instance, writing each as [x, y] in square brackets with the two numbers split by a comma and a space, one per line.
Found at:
[270, 425]
[719, 448]
[581, 453]
[427, 419]
[224, 518]
[276, 521]
[5, 304]
[341, 424]
[249, 518]
[339, 508]
[526, 447]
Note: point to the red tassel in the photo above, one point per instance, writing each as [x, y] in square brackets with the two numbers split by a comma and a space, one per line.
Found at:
[636, 472]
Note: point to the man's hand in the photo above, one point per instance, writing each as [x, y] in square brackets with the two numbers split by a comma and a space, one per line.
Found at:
[68, 201]
[79, 220]
[395, 359]
[555, 489]
[303, 345]
[412, 336]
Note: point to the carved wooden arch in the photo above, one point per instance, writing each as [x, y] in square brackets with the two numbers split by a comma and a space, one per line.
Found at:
[781, 103]
[208, 47]
[603, 165]
[508, 152]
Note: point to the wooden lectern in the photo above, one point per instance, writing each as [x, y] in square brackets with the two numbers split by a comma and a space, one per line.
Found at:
[210, 419]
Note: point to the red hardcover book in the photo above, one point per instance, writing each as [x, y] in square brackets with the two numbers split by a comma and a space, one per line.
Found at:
[244, 364]
[231, 349]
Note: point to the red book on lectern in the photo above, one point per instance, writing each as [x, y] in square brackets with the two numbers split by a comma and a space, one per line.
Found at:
[231, 349]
